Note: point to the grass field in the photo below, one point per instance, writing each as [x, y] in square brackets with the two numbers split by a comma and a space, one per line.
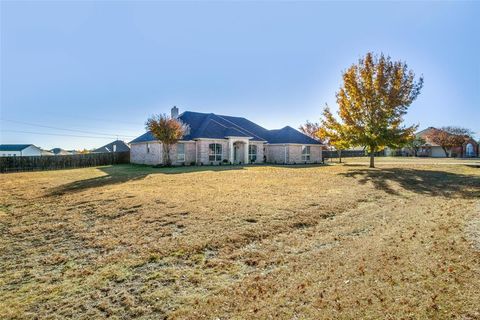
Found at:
[260, 242]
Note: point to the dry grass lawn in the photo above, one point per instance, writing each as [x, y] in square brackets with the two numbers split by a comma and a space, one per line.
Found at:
[261, 242]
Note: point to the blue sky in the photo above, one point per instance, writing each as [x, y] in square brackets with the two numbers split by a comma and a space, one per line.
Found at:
[99, 69]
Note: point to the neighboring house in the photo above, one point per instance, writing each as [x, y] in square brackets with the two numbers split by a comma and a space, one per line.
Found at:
[115, 146]
[19, 150]
[47, 153]
[60, 152]
[468, 149]
[430, 149]
[213, 139]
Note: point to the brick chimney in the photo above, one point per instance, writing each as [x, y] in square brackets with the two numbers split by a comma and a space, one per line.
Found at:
[174, 112]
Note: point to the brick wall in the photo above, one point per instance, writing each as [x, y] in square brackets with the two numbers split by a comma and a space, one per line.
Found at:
[260, 146]
[203, 150]
[273, 153]
[276, 154]
[139, 154]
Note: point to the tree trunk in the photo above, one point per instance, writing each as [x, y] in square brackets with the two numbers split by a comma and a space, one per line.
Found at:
[340, 156]
[166, 155]
[372, 159]
[446, 151]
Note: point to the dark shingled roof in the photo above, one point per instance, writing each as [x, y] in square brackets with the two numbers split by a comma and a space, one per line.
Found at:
[14, 147]
[213, 126]
[289, 135]
[120, 147]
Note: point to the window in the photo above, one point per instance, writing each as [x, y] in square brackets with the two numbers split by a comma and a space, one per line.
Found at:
[180, 152]
[305, 153]
[215, 152]
[252, 153]
[148, 147]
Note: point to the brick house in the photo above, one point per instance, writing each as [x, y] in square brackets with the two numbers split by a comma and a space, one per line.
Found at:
[467, 150]
[213, 139]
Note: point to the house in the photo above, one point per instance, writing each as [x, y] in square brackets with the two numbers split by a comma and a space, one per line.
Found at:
[60, 152]
[19, 150]
[47, 153]
[469, 148]
[115, 146]
[215, 139]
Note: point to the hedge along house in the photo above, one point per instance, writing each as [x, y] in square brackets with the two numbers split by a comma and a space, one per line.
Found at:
[214, 139]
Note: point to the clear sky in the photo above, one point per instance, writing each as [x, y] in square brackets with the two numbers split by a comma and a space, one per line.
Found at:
[99, 69]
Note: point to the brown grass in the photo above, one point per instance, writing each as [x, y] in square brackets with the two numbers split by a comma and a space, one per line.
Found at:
[267, 242]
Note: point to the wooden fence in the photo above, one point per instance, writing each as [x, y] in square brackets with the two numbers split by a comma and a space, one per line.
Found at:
[327, 154]
[38, 163]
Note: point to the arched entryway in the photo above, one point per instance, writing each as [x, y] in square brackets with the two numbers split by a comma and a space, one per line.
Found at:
[239, 152]
[469, 150]
[238, 149]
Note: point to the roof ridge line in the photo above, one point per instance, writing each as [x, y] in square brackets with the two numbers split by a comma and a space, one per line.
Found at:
[246, 131]
[218, 122]
[204, 123]
[226, 126]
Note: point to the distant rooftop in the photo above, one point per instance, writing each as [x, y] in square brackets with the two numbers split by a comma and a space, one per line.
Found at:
[14, 147]
[115, 146]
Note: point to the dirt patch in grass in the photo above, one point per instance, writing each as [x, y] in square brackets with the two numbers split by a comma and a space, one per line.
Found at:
[240, 242]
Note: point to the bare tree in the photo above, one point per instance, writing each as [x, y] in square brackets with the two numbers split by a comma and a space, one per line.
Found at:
[311, 129]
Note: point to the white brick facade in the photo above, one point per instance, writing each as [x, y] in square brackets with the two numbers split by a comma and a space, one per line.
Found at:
[292, 153]
[199, 152]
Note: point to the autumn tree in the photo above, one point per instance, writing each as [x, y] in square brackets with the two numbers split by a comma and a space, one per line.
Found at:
[311, 129]
[415, 143]
[332, 133]
[448, 137]
[373, 99]
[168, 131]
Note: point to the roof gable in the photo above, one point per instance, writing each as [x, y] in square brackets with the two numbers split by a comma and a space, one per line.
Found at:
[120, 146]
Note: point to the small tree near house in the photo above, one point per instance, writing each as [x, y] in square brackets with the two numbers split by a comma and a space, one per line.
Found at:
[448, 137]
[373, 99]
[311, 129]
[168, 131]
[333, 134]
[415, 143]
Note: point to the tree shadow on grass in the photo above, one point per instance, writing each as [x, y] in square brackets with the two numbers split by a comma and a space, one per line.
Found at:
[117, 174]
[427, 182]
